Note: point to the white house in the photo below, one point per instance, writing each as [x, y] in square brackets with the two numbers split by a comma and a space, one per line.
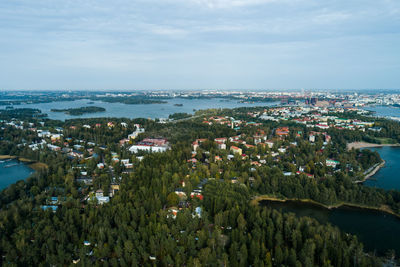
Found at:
[136, 148]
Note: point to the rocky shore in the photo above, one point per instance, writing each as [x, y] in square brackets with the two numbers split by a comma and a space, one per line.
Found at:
[372, 172]
[358, 145]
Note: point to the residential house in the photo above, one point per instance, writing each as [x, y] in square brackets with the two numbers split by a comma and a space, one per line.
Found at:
[236, 150]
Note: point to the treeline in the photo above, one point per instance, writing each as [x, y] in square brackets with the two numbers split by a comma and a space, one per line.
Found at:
[135, 229]
[329, 191]
[80, 111]
[179, 116]
[21, 113]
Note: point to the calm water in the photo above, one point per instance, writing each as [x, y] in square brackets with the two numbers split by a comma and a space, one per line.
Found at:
[138, 111]
[378, 231]
[12, 171]
[385, 111]
[389, 176]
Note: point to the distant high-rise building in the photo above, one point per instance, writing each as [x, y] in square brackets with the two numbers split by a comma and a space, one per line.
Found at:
[314, 100]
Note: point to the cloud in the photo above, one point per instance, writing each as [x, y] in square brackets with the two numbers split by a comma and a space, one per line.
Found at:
[218, 38]
[229, 3]
[167, 30]
[331, 17]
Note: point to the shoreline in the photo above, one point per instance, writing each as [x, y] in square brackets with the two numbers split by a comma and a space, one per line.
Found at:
[36, 166]
[358, 145]
[371, 173]
[7, 157]
[257, 199]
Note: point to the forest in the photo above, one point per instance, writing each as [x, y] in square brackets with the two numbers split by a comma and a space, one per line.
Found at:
[137, 227]
[80, 111]
[179, 116]
[21, 113]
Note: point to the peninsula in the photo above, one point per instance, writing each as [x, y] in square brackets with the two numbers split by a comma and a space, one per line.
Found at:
[359, 145]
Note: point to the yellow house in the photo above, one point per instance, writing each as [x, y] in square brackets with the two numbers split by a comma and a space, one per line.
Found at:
[114, 188]
[235, 149]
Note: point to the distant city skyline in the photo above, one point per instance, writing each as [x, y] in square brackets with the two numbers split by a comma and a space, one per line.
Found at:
[199, 44]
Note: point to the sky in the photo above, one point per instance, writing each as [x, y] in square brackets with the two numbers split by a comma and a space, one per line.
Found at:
[199, 44]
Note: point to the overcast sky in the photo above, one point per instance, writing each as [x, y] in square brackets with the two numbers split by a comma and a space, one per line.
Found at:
[199, 44]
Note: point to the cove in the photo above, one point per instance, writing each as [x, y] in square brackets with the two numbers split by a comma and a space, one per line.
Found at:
[387, 177]
[378, 231]
[384, 111]
[12, 171]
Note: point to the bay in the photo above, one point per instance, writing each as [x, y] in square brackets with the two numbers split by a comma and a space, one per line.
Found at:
[378, 231]
[387, 177]
[120, 110]
[12, 171]
[384, 111]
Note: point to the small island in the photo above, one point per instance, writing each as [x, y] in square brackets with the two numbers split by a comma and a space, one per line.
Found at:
[80, 111]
